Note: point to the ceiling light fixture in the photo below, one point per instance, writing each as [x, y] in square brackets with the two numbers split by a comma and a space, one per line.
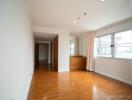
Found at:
[102, 0]
[77, 19]
[74, 22]
[85, 14]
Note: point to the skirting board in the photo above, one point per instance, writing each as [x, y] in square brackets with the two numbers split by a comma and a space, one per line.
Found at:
[116, 78]
[29, 83]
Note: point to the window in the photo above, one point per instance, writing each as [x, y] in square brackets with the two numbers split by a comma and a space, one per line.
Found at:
[123, 44]
[96, 46]
[117, 45]
[103, 46]
[74, 45]
[72, 49]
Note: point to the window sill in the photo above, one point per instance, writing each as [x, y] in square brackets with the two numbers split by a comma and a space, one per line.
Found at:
[114, 58]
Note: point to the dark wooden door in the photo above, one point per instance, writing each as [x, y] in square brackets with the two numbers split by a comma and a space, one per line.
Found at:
[55, 54]
[36, 55]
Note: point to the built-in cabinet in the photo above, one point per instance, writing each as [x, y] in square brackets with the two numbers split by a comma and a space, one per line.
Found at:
[77, 63]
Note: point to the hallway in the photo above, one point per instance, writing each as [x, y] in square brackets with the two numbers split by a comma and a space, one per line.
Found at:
[76, 85]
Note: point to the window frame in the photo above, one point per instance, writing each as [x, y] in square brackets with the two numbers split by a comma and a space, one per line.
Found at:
[99, 46]
[118, 44]
[112, 48]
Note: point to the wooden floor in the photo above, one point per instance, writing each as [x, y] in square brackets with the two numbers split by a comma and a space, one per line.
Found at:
[78, 85]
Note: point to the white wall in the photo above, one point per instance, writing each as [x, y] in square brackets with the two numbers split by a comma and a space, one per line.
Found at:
[63, 52]
[121, 26]
[115, 68]
[16, 50]
[43, 52]
[83, 44]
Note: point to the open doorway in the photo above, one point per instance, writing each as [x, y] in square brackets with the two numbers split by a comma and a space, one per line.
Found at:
[46, 53]
[43, 55]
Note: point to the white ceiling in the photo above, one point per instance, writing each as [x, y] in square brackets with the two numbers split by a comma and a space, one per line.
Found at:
[60, 14]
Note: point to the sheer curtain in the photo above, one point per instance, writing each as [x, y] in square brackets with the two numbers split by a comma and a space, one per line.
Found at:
[90, 52]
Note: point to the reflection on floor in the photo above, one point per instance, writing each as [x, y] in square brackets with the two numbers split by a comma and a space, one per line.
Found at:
[43, 65]
[78, 85]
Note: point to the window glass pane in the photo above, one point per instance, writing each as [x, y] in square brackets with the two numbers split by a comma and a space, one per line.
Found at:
[104, 46]
[123, 37]
[102, 51]
[96, 46]
[123, 51]
[72, 52]
[105, 51]
[72, 47]
[105, 40]
[123, 44]
[108, 52]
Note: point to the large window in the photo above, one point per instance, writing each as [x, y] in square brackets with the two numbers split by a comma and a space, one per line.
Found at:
[123, 44]
[118, 45]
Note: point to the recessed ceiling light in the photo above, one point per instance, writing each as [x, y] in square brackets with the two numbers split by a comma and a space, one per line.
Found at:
[102, 0]
[74, 22]
[85, 14]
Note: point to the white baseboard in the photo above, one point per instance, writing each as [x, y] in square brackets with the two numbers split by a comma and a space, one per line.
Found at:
[29, 83]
